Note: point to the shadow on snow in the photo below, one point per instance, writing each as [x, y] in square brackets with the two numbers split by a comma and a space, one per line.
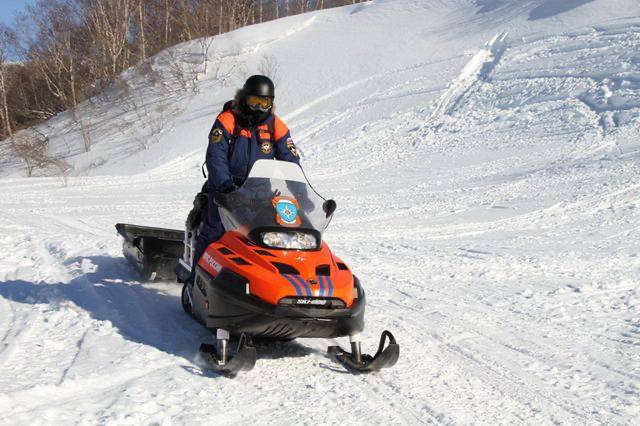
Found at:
[143, 313]
[542, 9]
[551, 8]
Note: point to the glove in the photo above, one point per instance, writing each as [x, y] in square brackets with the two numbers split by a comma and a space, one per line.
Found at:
[228, 187]
[196, 215]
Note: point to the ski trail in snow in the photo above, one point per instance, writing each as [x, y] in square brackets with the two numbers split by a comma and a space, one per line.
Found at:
[13, 326]
[77, 226]
[290, 32]
[479, 68]
[79, 344]
[505, 257]
[77, 390]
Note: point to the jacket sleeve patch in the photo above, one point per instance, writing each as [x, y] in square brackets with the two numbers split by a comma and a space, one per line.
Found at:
[292, 147]
[215, 136]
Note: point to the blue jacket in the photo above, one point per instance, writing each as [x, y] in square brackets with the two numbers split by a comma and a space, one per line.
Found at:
[233, 150]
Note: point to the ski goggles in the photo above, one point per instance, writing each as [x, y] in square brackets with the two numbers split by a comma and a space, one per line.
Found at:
[259, 103]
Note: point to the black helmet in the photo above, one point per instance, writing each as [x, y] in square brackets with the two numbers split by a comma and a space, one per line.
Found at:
[259, 85]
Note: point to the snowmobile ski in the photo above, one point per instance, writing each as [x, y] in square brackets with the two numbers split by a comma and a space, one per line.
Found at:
[357, 361]
[217, 357]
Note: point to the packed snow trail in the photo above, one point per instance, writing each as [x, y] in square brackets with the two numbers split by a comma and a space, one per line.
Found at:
[477, 69]
[502, 249]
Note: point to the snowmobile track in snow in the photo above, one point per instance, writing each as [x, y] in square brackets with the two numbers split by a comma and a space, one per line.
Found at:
[488, 199]
[479, 68]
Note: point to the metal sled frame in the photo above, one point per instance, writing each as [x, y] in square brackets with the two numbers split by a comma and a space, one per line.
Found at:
[154, 251]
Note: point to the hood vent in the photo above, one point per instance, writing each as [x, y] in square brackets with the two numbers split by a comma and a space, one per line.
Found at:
[285, 269]
[323, 270]
[240, 261]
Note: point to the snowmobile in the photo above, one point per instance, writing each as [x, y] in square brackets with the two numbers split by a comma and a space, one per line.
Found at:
[269, 276]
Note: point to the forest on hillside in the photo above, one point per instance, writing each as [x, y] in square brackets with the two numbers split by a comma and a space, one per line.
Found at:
[60, 52]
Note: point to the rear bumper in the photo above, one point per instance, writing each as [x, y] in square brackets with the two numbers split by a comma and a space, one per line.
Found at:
[232, 309]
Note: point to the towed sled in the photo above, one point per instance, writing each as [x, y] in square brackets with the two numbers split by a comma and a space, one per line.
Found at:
[270, 276]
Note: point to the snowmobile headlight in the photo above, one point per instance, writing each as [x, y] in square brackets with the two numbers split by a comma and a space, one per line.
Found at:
[290, 240]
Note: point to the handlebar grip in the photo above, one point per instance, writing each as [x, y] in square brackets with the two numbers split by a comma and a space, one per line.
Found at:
[329, 207]
[220, 200]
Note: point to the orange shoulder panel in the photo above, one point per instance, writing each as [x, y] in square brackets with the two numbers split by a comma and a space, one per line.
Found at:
[279, 128]
[227, 120]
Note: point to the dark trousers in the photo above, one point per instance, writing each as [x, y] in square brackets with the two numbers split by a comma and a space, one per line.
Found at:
[211, 231]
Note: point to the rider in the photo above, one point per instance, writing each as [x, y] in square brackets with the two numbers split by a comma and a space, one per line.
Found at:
[245, 131]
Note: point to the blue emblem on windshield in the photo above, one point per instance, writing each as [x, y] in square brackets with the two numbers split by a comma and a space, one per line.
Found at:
[287, 211]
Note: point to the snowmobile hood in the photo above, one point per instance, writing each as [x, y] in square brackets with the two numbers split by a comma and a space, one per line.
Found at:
[275, 275]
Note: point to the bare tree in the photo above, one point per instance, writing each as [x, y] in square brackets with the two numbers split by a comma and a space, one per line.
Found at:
[299, 6]
[183, 73]
[5, 35]
[32, 147]
[109, 22]
[83, 127]
[72, 50]
[168, 7]
[205, 46]
[57, 68]
[141, 25]
[220, 15]
[269, 66]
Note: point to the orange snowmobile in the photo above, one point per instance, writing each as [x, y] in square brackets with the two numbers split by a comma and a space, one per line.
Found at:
[269, 276]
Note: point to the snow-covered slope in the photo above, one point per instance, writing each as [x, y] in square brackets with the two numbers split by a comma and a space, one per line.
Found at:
[484, 156]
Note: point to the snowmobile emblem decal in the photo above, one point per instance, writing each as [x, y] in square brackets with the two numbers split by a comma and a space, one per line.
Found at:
[286, 211]
[266, 147]
[309, 301]
[212, 262]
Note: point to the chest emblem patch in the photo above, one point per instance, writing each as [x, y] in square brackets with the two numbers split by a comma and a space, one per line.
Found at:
[265, 147]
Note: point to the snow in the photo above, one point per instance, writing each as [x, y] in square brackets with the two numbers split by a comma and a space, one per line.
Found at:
[484, 156]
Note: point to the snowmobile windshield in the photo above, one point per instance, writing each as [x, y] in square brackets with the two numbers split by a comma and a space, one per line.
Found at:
[277, 207]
